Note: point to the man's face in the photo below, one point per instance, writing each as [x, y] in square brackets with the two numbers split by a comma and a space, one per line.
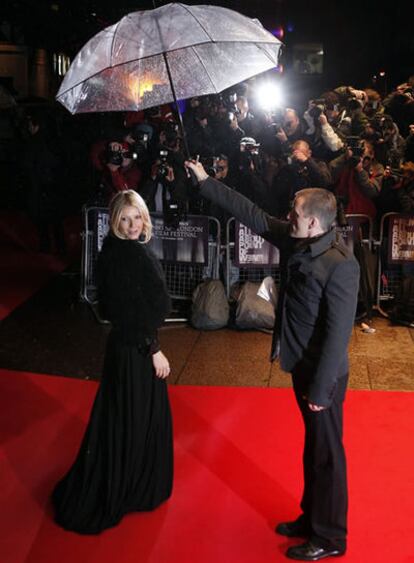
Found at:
[290, 122]
[222, 169]
[299, 224]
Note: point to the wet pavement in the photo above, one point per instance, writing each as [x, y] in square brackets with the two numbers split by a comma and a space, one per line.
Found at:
[55, 333]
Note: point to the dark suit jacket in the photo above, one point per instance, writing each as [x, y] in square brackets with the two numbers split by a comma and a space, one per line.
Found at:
[318, 295]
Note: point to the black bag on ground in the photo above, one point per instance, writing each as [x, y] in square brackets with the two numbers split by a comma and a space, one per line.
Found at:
[254, 312]
[403, 311]
[210, 310]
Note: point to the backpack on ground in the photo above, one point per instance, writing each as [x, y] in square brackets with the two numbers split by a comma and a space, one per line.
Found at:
[253, 311]
[210, 309]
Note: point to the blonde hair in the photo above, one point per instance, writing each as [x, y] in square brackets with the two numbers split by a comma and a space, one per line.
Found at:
[129, 198]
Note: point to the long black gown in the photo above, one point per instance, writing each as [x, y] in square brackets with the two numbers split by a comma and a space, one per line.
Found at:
[125, 462]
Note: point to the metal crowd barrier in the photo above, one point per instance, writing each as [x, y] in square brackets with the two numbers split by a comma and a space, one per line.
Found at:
[365, 225]
[254, 273]
[364, 233]
[390, 275]
[181, 278]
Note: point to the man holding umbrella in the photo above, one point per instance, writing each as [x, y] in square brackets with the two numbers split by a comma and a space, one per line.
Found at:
[314, 320]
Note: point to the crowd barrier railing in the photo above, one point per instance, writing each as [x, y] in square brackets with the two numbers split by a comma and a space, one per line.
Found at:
[259, 262]
[182, 273]
[237, 270]
[395, 255]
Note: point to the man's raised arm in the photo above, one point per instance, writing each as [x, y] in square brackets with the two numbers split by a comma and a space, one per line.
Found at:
[240, 207]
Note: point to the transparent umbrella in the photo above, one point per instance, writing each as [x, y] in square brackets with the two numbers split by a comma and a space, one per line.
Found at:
[158, 56]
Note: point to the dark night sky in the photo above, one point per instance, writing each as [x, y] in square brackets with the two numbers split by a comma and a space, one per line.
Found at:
[359, 38]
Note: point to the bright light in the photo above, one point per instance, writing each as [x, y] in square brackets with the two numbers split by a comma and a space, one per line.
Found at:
[138, 87]
[269, 96]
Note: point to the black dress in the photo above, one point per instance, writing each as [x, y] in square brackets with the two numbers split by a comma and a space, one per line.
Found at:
[125, 462]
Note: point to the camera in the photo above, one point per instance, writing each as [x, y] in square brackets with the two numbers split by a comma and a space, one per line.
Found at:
[356, 145]
[353, 103]
[172, 214]
[249, 153]
[229, 103]
[174, 210]
[249, 145]
[115, 157]
[163, 166]
[211, 165]
[317, 109]
[276, 116]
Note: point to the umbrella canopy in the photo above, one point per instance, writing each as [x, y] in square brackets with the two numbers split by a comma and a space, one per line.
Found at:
[154, 57]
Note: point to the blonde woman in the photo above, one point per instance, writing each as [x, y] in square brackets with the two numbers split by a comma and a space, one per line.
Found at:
[125, 462]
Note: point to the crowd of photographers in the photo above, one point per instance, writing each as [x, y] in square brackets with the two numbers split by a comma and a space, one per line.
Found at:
[349, 141]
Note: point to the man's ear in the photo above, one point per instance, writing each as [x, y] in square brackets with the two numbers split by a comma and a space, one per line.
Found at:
[313, 222]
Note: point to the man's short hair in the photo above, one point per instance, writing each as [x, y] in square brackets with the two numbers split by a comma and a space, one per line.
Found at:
[319, 203]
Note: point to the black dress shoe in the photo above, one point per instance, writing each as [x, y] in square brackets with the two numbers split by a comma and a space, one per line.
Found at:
[309, 552]
[295, 529]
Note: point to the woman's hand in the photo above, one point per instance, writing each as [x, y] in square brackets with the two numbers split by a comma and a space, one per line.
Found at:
[161, 365]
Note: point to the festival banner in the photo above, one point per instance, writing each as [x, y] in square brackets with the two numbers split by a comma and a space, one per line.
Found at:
[188, 243]
[356, 229]
[102, 227]
[252, 250]
[401, 239]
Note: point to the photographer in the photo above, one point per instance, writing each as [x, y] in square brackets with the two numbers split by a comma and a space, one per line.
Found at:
[400, 105]
[218, 168]
[200, 136]
[120, 169]
[397, 193]
[249, 181]
[246, 120]
[227, 132]
[164, 191]
[357, 177]
[291, 130]
[301, 171]
[389, 145]
[321, 135]
[409, 145]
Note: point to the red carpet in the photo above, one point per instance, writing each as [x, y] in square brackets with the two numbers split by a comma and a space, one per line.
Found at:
[23, 270]
[237, 455]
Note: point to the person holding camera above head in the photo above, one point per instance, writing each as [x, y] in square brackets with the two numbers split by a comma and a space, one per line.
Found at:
[301, 171]
[248, 178]
[388, 143]
[353, 120]
[320, 134]
[125, 461]
[314, 321]
[165, 190]
[373, 106]
[357, 177]
[157, 190]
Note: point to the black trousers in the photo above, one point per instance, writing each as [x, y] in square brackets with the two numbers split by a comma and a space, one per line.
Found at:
[325, 497]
